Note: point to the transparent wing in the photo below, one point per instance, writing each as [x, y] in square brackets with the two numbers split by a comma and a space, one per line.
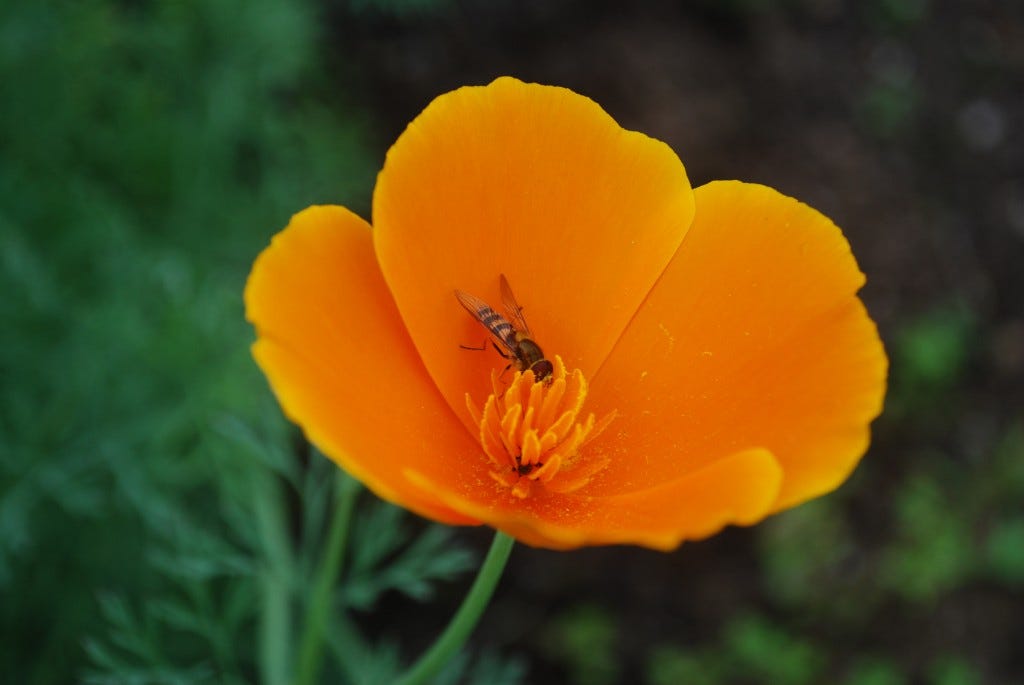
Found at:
[513, 308]
[494, 322]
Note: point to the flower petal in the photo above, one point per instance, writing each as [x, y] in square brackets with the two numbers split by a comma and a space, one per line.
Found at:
[537, 183]
[341, 363]
[740, 489]
[753, 337]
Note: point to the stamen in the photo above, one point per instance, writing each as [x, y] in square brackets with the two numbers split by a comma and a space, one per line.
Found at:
[533, 433]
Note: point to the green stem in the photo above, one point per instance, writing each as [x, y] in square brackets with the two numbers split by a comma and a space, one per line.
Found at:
[275, 617]
[466, 618]
[348, 648]
[311, 648]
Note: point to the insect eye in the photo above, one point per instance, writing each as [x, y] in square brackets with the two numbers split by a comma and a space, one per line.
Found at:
[542, 369]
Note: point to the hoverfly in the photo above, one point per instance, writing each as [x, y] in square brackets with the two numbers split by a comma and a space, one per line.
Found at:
[517, 344]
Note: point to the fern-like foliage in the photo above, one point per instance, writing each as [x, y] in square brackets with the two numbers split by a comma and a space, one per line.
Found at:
[159, 520]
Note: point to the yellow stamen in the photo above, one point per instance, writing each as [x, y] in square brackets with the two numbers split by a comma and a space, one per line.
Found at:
[533, 434]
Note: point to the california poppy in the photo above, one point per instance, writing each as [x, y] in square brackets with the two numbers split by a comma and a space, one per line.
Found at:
[711, 362]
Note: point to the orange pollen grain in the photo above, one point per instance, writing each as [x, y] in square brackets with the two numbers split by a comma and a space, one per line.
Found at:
[532, 431]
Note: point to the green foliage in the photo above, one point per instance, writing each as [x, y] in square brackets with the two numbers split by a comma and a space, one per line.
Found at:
[135, 652]
[944, 536]
[930, 554]
[804, 551]
[874, 671]
[948, 527]
[751, 649]
[997, 499]
[365, 664]
[669, 665]
[953, 670]
[156, 522]
[383, 559]
[933, 350]
[584, 639]
[1004, 550]
[930, 357]
[486, 669]
[761, 650]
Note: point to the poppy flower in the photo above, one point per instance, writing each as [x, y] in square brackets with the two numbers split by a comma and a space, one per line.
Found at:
[710, 361]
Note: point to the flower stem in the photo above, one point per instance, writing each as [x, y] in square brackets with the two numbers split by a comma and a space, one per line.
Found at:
[466, 618]
[275, 616]
[311, 648]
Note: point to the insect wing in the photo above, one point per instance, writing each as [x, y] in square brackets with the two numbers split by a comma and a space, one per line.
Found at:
[513, 308]
[494, 322]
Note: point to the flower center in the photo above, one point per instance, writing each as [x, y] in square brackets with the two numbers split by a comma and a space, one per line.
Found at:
[532, 431]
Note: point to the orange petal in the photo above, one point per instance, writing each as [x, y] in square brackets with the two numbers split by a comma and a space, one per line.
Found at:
[537, 183]
[331, 343]
[740, 489]
[753, 337]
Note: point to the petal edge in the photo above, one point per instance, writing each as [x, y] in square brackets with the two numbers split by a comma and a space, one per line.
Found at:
[337, 357]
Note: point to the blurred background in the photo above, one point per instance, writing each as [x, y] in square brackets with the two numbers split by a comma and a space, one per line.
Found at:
[161, 523]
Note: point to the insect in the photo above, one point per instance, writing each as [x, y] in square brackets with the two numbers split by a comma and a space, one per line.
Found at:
[517, 344]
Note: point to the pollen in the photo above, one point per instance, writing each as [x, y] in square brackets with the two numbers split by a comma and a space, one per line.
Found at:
[533, 432]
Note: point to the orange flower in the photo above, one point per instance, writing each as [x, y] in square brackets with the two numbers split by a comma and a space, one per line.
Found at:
[712, 362]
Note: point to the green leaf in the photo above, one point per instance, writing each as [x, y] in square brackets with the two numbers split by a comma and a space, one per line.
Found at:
[931, 551]
[380, 564]
[584, 638]
[767, 653]
[874, 671]
[1004, 550]
[953, 670]
[670, 665]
